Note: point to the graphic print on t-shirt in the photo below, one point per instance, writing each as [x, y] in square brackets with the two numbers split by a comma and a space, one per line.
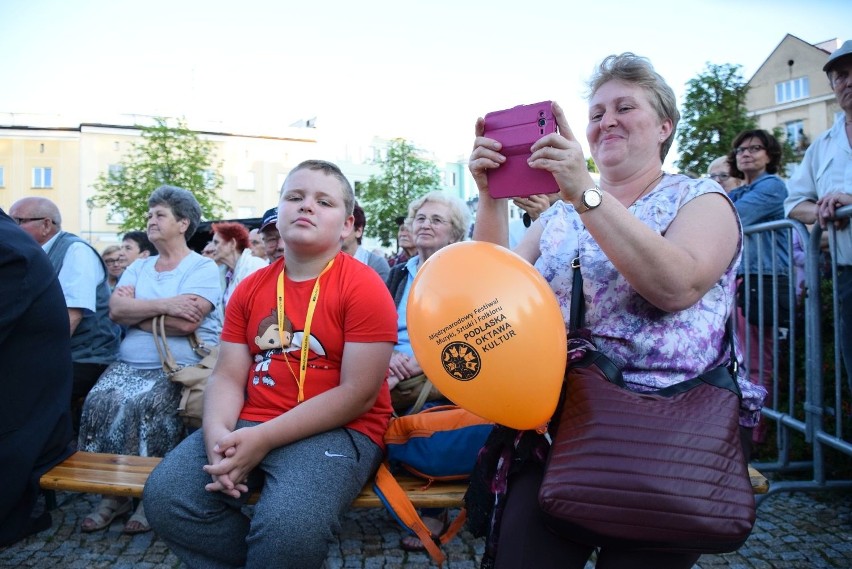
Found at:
[271, 343]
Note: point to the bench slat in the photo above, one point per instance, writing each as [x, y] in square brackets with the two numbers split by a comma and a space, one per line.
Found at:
[759, 483]
[123, 475]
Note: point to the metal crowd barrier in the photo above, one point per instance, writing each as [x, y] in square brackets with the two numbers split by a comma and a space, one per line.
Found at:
[810, 411]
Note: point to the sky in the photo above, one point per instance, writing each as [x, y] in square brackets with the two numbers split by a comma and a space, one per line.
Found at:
[423, 70]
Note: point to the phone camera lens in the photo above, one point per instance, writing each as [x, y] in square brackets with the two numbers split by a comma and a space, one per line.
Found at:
[541, 122]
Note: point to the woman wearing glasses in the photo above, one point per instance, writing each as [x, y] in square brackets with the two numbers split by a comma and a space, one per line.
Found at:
[112, 259]
[719, 172]
[436, 220]
[756, 157]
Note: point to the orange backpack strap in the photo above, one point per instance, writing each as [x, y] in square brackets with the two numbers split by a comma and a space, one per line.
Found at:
[397, 502]
[455, 527]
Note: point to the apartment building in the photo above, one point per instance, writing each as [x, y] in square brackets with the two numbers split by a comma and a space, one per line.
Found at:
[62, 163]
[46, 156]
[791, 91]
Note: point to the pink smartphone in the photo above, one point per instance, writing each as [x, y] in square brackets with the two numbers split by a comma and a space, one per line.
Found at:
[517, 129]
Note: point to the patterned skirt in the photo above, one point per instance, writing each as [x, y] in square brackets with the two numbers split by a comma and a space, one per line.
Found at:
[131, 411]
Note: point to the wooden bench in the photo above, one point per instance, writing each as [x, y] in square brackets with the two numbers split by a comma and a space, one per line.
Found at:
[122, 475]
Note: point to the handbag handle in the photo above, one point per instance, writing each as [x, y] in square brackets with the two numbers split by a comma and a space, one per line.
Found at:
[199, 347]
[158, 328]
[425, 389]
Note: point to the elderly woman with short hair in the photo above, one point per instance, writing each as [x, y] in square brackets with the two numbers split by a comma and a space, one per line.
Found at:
[720, 172]
[436, 220]
[133, 407]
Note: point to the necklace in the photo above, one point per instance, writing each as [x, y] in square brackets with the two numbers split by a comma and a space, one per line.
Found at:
[645, 189]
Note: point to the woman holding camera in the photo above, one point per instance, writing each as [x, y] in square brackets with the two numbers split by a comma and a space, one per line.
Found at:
[658, 254]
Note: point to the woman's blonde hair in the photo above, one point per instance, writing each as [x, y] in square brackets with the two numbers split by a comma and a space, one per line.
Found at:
[631, 68]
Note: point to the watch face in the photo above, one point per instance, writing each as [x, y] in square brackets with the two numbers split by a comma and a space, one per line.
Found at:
[592, 198]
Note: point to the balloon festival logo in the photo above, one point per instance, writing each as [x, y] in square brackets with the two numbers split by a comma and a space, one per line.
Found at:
[461, 361]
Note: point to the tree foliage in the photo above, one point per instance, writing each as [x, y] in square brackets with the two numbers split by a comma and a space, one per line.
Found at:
[789, 155]
[404, 177]
[165, 155]
[591, 166]
[713, 113]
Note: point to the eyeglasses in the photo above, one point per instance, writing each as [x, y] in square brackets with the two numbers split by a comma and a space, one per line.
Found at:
[753, 149]
[23, 220]
[112, 261]
[434, 220]
[719, 177]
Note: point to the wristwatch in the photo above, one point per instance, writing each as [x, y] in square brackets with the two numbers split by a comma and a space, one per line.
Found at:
[590, 199]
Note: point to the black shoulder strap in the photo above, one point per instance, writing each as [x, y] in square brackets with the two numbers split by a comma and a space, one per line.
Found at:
[577, 318]
[724, 376]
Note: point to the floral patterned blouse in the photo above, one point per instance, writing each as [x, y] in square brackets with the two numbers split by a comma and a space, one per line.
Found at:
[654, 348]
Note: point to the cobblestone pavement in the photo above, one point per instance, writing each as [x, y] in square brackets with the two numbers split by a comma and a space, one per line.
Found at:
[793, 531]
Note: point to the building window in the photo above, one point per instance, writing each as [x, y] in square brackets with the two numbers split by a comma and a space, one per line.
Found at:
[2, 177]
[114, 172]
[792, 90]
[209, 178]
[245, 181]
[42, 177]
[796, 134]
[116, 217]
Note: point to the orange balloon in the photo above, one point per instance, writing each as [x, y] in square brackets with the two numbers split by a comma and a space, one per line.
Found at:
[487, 330]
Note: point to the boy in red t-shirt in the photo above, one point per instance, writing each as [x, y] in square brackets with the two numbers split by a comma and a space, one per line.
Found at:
[298, 401]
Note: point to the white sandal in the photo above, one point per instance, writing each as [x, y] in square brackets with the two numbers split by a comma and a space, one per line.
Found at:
[108, 509]
[139, 518]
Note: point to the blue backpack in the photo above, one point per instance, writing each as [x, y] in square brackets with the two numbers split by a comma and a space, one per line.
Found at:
[439, 443]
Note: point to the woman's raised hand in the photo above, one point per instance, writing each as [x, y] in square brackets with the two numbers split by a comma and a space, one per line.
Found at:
[561, 154]
[485, 155]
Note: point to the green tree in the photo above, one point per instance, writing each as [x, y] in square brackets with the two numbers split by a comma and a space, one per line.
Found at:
[591, 166]
[714, 113]
[165, 155]
[788, 153]
[404, 177]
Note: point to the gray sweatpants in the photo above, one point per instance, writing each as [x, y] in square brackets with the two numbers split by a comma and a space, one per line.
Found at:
[307, 487]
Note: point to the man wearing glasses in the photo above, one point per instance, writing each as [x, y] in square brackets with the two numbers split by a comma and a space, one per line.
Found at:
[83, 277]
[271, 238]
[823, 184]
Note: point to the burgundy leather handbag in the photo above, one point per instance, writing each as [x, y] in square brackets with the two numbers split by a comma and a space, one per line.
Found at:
[662, 470]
